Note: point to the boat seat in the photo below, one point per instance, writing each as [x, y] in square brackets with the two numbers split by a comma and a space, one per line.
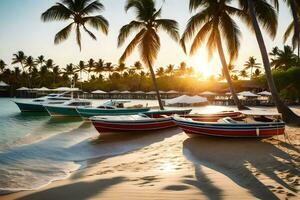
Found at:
[227, 120]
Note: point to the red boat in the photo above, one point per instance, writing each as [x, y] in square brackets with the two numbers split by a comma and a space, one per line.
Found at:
[228, 127]
[215, 116]
[124, 123]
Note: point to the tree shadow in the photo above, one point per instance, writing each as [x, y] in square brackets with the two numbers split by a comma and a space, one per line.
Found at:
[87, 190]
[243, 161]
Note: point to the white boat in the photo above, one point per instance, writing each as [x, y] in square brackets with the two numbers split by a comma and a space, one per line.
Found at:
[36, 105]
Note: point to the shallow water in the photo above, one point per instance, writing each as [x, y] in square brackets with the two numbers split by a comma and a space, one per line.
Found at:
[35, 149]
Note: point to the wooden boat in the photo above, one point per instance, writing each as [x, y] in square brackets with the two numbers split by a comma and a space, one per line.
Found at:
[113, 107]
[123, 123]
[228, 127]
[161, 113]
[215, 116]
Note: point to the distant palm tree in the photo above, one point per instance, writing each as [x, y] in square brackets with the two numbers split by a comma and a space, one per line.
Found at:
[121, 68]
[261, 11]
[147, 39]
[78, 11]
[99, 67]
[2, 65]
[56, 73]
[138, 66]
[213, 20]
[90, 67]
[19, 58]
[251, 64]
[30, 63]
[284, 59]
[160, 71]
[243, 74]
[109, 67]
[257, 73]
[170, 70]
[40, 60]
[49, 64]
[81, 68]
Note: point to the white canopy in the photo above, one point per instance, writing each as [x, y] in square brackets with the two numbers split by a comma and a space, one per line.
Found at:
[115, 92]
[139, 92]
[43, 89]
[66, 89]
[152, 92]
[247, 94]
[98, 92]
[23, 89]
[187, 99]
[265, 93]
[208, 93]
[126, 92]
[3, 84]
[172, 92]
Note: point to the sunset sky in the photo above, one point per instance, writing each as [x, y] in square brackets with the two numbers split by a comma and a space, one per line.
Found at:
[22, 29]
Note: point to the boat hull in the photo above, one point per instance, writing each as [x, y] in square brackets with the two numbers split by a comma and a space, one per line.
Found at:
[90, 112]
[214, 117]
[147, 125]
[62, 111]
[30, 107]
[160, 113]
[231, 130]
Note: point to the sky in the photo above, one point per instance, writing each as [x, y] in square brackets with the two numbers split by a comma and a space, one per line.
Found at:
[22, 29]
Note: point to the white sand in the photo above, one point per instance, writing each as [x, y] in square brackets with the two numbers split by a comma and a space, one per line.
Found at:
[179, 167]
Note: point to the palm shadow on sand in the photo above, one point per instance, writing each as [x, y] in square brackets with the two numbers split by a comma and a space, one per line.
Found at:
[243, 161]
[87, 190]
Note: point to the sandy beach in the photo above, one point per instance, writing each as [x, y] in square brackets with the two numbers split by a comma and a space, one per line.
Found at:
[170, 165]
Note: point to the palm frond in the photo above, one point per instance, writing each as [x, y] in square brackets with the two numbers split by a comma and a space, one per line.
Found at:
[92, 7]
[231, 35]
[170, 27]
[98, 22]
[211, 43]
[78, 36]
[63, 34]
[149, 46]
[288, 32]
[127, 29]
[132, 45]
[57, 12]
[90, 33]
[194, 4]
[200, 37]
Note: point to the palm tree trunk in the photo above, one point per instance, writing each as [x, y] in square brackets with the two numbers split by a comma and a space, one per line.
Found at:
[296, 23]
[288, 115]
[227, 74]
[155, 86]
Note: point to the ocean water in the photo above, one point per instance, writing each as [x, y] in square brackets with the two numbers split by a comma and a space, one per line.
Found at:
[37, 149]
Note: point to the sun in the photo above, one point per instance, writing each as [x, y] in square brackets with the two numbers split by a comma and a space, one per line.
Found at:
[202, 65]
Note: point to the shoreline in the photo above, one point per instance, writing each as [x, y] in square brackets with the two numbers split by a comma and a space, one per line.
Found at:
[177, 166]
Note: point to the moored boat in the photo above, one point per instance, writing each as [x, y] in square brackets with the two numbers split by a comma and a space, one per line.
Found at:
[36, 105]
[123, 123]
[160, 113]
[228, 127]
[113, 107]
[68, 108]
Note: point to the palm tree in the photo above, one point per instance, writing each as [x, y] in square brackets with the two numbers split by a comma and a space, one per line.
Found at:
[211, 17]
[19, 58]
[250, 64]
[138, 66]
[2, 66]
[160, 71]
[29, 63]
[256, 74]
[170, 70]
[78, 11]
[109, 67]
[284, 59]
[90, 67]
[99, 67]
[243, 74]
[261, 11]
[56, 73]
[40, 60]
[295, 10]
[147, 23]
[121, 68]
[81, 67]
[49, 64]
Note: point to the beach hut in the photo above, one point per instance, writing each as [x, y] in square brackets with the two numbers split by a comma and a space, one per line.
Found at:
[265, 98]
[171, 94]
[66, 89]
[208, 94]
[151, 95]
[99, 94]
[4, 89]
[23, 89]
[138, 95]
[247, 94]
[125, 94]
[3, 84]
[115, 94]
[186, 100]
[265, 93]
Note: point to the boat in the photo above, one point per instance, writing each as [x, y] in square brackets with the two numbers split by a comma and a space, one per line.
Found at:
[68, 108]
[213, 117]
[124, 123]
[160, 113]
[252, 126]
[112, 107]
[36, 105]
